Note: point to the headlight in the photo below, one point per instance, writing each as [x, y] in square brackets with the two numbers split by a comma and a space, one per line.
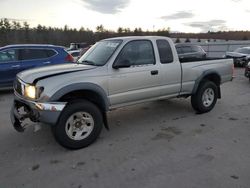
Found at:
[32, 92]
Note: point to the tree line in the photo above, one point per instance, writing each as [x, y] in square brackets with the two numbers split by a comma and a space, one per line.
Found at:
[213, 36]
[16, 32]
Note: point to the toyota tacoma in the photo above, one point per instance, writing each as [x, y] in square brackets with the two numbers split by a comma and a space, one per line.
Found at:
[75, 98]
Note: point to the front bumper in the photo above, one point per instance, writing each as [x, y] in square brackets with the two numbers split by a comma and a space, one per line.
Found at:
[24, 109]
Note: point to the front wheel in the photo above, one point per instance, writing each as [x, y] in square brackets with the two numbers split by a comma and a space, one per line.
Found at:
[205, 98]
[79, 125]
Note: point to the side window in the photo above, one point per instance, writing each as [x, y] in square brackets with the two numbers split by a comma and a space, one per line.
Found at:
[8, 56]
[179, 51]
[186, 49]
[75, 54]
[32, 54]
[196, 49]
[165, 51]
[139, 52]
[50, 53]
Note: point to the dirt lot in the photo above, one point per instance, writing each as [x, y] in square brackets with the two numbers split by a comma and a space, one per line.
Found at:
[158, 144]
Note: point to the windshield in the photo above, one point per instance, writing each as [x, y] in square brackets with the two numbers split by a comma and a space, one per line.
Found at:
[243, 50]
[100, 53]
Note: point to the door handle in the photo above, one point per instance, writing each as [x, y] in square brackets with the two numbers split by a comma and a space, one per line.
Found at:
[15, 66]
[48, 62]
[154, 72]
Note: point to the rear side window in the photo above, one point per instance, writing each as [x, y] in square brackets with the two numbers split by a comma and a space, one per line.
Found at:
[8, 56]
[139, 52]
[165, 51]
[50, 53]
[75, 54]
[186, 49]
[32, 54]
[179, 51]
[196, 49]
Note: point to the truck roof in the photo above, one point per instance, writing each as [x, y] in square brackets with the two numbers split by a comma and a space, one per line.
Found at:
[137, 37]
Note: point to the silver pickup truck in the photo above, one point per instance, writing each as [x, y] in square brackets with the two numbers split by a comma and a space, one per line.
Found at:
[75, 98]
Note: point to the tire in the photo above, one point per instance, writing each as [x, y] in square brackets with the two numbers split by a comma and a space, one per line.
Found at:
[205, 97]
[79, 125]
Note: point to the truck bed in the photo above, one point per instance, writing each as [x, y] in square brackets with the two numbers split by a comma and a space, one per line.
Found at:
[194, 69]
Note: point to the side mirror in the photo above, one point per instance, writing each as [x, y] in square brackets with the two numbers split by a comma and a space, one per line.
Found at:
[121, 64]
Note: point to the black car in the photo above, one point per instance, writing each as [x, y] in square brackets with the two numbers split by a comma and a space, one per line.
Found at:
[190, 52]
[241, 56]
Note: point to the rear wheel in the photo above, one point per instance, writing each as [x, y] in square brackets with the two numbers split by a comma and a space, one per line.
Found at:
[79, 125]
[205, 98]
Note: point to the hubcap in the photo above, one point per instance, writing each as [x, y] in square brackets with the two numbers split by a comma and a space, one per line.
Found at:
[79, 125]
[208, 97]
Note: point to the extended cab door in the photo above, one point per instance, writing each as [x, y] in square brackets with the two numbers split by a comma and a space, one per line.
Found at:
[138, 77]
[9, 66]
[170, 70]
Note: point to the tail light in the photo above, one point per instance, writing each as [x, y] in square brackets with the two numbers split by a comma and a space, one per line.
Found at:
[69, 58]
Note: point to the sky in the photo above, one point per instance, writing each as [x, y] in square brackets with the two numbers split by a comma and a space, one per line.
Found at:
[178, 15]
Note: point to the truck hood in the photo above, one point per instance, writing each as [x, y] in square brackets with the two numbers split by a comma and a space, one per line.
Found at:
[34, 75]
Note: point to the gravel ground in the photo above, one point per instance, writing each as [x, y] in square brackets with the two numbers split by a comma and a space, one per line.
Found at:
[157, 144]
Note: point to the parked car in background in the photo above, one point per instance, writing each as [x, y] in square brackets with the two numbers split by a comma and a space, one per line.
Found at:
[77, 46]
[241, 56]
[16, 58]
[190, 52]
[78, 53]
[247, 71]
[75, 54]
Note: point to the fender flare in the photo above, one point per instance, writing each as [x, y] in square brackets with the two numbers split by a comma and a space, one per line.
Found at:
[201, 78]
[82, 86]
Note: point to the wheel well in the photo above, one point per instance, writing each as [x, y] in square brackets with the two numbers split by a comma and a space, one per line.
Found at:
[85, 94]
[215, 78]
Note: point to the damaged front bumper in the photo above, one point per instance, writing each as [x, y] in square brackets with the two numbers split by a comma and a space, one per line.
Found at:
[23, 110]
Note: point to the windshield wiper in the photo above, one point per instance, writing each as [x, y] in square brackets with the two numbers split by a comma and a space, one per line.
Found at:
[87, 62]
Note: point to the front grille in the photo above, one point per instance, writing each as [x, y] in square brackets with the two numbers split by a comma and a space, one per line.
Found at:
[18, 86]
